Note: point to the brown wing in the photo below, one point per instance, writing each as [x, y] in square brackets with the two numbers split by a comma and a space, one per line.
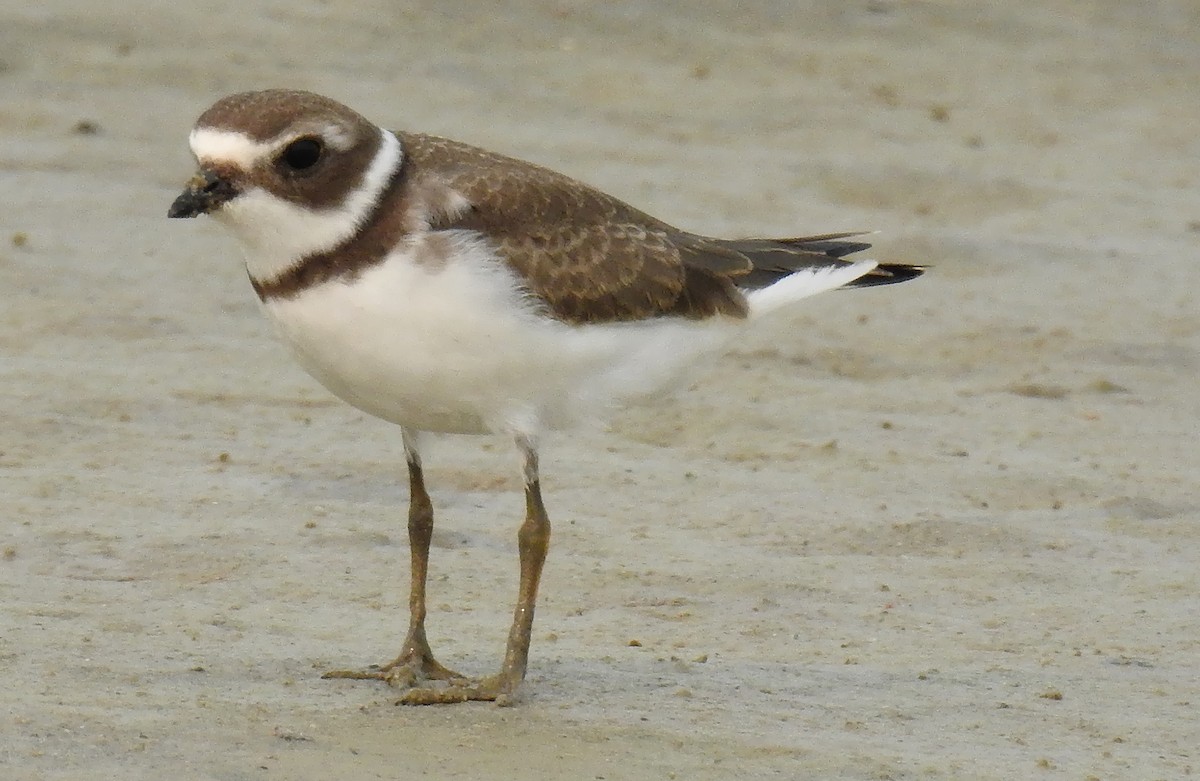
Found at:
[588, 256]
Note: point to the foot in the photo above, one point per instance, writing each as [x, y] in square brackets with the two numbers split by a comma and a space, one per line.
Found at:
[410, 668]
[501, 689]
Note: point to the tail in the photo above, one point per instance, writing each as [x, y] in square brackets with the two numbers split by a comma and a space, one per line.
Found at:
[786, 270]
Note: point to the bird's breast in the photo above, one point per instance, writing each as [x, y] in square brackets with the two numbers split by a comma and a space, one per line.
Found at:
[433, 340]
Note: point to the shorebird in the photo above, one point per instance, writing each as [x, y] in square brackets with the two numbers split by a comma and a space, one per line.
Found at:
[446, 288]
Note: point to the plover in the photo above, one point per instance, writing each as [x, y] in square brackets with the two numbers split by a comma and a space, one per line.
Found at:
[446, 288]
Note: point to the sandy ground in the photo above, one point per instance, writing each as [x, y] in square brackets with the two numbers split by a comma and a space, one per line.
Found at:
[943, 530]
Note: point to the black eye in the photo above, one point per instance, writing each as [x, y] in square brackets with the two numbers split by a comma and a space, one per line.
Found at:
[302, 153]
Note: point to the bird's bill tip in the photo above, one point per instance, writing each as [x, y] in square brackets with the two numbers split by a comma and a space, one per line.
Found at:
[205, 192]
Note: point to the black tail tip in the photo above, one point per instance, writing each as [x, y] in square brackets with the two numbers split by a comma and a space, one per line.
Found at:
[888, 274]
[901, 272]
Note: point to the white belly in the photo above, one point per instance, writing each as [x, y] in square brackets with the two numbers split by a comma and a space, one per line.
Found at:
[457, 348]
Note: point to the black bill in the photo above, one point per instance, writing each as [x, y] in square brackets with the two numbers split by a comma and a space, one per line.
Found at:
[205, 192]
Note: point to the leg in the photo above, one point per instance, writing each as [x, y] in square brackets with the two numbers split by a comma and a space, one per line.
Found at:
[415, 661]
[533, 540]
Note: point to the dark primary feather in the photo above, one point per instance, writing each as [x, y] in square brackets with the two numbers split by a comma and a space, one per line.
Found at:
[774, 259]
[590, 257]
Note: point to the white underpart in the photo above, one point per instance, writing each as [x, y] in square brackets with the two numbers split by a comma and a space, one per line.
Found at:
[803, 284]
[276, 233]
[460, 348]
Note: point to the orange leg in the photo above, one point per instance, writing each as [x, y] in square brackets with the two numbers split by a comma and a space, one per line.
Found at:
[533, 540]
[415, 663]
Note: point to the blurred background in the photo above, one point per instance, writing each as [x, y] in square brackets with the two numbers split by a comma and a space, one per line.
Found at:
[942, 529]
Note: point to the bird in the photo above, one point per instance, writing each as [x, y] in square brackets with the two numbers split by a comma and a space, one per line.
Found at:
[450, 289]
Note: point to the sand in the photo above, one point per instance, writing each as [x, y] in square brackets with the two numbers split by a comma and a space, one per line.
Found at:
[942, 530]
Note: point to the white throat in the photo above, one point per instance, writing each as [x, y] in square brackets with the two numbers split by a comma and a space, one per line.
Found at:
[277, 233]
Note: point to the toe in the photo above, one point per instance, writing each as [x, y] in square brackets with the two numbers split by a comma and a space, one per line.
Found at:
[426, 695]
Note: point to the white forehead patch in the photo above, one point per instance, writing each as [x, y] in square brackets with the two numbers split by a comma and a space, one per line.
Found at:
[228, 146]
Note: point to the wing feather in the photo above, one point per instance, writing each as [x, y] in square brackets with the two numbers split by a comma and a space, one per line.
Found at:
[587, 256]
